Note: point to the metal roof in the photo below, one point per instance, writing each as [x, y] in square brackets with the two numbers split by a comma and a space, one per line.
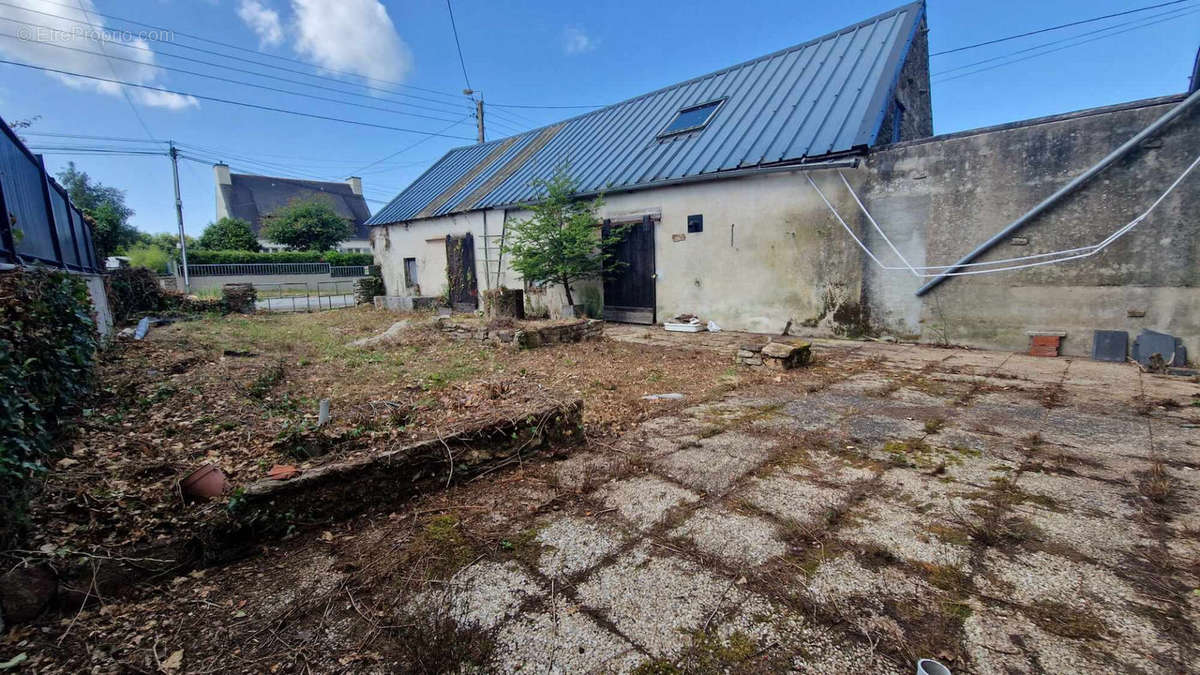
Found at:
[825, 96]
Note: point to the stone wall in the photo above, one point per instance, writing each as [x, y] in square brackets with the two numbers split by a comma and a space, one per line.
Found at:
[939, 198]
[524, 335]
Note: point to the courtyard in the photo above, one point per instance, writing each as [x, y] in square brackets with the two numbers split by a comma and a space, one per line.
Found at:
[889, 502]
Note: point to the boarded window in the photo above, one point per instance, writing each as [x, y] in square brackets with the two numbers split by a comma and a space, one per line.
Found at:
[410, 272]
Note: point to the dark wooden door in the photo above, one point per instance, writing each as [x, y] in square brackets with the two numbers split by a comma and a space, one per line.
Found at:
[460, 270]
[629, 283]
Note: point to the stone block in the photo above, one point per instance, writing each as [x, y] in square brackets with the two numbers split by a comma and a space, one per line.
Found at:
[786, 356]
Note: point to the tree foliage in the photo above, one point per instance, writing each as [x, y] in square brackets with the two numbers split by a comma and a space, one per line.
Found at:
[150, 256]
[105, 207]
[229, 234]
[307, 225]
[560, 243]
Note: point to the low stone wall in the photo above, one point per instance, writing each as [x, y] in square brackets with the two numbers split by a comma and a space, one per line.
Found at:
[525, 336]
[267, 509]
[774, 355]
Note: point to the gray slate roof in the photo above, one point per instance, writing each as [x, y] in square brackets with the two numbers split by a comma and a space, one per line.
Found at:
[818, 98]
[251, 197]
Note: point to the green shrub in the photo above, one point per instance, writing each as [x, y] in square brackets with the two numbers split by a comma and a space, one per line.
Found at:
[210, 257]
[366, 288]
[47, 351]
[149, 256]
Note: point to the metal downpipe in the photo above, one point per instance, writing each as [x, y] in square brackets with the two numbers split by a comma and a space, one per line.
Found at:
[1064, 190]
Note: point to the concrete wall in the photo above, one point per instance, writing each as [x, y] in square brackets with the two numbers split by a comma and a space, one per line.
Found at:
[939, 198]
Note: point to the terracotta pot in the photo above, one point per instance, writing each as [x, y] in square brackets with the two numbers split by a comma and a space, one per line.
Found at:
[205, 482]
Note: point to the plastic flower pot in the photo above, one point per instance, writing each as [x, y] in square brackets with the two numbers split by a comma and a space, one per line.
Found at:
[205, 482]
[931, 667]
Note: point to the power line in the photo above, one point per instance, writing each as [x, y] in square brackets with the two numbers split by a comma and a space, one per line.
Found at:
[231, 102]
[1059, 49]
[118, 43]
[240, 48]
[407, 148]
[1058, 27]
[458, 44]
[556, 107]
[124, 92]
[225, 56]
[233, 81]
[1174, 12]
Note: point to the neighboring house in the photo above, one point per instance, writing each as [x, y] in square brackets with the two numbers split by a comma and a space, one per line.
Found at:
[254, 198]
[719, 177]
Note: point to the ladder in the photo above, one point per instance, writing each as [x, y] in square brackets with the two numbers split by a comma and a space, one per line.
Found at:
[493, 256]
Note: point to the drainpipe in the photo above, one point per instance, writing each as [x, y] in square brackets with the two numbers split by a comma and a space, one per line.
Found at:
[1064, 190]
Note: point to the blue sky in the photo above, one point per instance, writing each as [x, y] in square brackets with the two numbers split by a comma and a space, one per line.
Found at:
[531, 53]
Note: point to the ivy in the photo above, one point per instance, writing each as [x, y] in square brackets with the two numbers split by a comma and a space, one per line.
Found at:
[47, 353]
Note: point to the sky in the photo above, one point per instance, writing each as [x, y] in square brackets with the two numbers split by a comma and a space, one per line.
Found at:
[532, 53]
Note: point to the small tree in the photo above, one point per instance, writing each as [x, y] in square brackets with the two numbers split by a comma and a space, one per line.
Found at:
[560, 243]
[229, 234]
[104, 206]
[307, 225]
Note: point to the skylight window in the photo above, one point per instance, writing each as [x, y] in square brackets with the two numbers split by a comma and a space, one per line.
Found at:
[691, 118]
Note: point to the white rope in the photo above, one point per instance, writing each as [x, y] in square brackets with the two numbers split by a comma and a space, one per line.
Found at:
[1063, 255]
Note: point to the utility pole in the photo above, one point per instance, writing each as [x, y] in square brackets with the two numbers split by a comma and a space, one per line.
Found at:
[479, 116]
[187, 285]
[478, 111]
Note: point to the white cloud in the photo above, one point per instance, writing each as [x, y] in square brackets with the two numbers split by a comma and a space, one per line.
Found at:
[263, 20]
[576, 41]
[355, 36]
[78, 29]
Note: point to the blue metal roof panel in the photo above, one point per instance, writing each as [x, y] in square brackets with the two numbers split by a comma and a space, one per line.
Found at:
[825, 96]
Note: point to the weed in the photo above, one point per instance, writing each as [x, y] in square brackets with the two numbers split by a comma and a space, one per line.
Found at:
[1156, 485]
[991, 524]
[266, 380]
[932, 426]
[1066, 621]
[433, 642]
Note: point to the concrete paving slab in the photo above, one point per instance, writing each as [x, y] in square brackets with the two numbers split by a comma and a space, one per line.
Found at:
[572, 545]
[657, 599]
[482, 595]
[644, 501]
[737, 539]
[716, 462]
[562, 640]
[902, 532]
[792, 500]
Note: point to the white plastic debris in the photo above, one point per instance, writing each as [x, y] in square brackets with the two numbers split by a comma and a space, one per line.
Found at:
[674, 396]
[713, 327]
[931, 667]
[142, 328]
[323, 413]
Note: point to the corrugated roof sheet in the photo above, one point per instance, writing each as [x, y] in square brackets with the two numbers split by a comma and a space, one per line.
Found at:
[825, 96]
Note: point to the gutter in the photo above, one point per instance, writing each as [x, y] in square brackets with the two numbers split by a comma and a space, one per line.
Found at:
[1064, 191]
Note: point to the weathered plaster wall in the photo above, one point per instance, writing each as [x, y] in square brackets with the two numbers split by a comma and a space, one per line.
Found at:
[770, 252]
[939, 198]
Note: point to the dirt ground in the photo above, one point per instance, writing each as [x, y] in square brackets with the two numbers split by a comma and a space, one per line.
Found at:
[998, 512]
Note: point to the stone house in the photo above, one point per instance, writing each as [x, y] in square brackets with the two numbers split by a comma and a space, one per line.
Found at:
[749, 190]
[254, 198]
